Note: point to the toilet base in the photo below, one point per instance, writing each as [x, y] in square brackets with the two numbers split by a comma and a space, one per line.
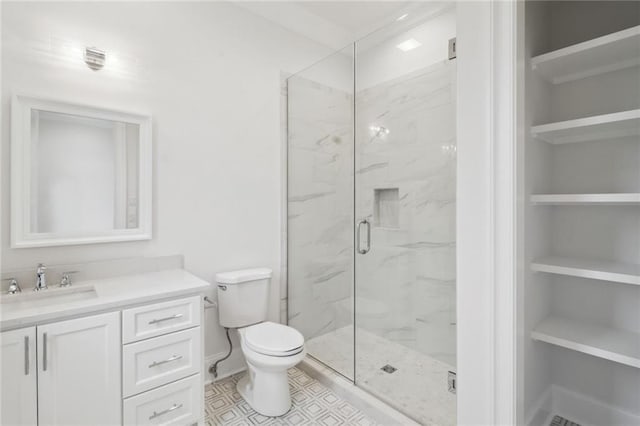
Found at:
[267, 393]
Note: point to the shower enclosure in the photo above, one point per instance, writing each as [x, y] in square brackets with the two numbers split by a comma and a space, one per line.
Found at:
[371, 212]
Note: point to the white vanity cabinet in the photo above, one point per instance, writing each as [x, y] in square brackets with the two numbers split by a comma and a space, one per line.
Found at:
[135, 366]
[162, 363]
[18, 390]
[72, 378]
[79, 371]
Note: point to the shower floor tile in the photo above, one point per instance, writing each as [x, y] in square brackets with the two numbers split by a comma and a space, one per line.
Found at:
[313, 404]
[418, 387]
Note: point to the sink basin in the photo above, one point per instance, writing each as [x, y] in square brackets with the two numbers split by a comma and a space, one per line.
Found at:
[52, 296]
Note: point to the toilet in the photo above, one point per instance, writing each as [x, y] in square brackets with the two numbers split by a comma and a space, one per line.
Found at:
[270, 349]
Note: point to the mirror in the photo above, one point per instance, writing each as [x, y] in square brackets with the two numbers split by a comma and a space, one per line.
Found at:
[80, 174]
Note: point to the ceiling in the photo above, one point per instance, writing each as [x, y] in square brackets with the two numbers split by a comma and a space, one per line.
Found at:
[334, 23]
[356, 16]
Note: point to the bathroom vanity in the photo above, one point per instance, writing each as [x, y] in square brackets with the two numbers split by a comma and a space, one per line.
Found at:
[125, 350]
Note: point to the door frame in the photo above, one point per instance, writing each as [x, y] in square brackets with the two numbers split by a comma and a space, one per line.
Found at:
[488, 199]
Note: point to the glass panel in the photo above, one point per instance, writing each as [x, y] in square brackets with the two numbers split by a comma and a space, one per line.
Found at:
[320, 209]
[405, 175]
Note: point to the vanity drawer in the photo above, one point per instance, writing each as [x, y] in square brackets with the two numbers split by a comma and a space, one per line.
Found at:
[176, 403]
[160, 318]
[155, 362]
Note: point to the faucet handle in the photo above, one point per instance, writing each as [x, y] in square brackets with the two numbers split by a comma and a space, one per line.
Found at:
[65, 281]
[14, 287]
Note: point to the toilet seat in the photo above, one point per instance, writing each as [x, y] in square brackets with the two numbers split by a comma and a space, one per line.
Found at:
[269, 338]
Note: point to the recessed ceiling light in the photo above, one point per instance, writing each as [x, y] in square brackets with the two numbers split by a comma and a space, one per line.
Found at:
[402, 17]
[410, 44]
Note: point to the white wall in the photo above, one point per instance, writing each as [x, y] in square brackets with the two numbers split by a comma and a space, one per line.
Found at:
[536, 375]
[486, 225]
[209, 73]
[474, 287]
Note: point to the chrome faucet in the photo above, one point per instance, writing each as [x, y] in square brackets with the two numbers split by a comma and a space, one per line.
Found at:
[41, 280]
[14, 287]
[65, 281]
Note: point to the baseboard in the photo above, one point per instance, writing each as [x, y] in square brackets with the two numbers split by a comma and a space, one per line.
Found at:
[579, 408]
[541, 411]
[589, 411]
[230, 366]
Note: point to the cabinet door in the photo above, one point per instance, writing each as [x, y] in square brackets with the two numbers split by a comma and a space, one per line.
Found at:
[79, 375]
[19, 401]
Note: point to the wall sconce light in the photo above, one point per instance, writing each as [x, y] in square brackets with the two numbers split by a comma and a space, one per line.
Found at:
[94, 58]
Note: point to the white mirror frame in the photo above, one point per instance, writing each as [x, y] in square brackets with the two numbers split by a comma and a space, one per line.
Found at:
[21, 237]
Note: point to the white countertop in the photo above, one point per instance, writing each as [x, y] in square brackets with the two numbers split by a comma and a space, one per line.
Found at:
[94, 296]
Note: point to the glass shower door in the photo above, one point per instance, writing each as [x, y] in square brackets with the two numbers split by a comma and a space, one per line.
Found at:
[371, 213]
[405, 203]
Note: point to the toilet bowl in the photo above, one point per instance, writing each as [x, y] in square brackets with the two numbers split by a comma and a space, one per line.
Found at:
[270, 349]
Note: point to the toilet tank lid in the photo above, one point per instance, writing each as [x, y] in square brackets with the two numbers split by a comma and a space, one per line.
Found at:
[243, 275]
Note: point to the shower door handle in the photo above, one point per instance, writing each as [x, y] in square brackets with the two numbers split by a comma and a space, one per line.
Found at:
[363, 250]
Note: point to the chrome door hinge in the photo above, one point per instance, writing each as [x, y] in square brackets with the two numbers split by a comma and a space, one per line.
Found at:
[452, 382]
[452, 48]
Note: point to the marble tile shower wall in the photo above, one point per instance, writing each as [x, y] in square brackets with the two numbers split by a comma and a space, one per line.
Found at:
[406, 283]
[320, 206]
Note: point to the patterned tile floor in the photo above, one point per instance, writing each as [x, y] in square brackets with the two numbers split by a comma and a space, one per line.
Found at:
[561, 421]
[313, 404]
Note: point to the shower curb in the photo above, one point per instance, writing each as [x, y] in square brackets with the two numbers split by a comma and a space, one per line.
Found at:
[361, 399]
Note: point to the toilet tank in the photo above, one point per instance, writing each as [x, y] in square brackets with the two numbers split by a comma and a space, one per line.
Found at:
[243, 297]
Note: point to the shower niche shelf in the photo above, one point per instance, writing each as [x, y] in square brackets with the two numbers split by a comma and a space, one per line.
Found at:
[386, 209]
[586, 199]
[608, 343]
[595, 128]
[625, 273]
[593, 57]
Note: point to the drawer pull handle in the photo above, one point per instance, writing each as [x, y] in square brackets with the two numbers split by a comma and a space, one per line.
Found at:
[156, 321]
[173, 358]
[163, 412]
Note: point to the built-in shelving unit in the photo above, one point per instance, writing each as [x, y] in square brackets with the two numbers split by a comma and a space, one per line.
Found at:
[586, 199]
[599, 127]
[626, 273]
[609, 53]
[603, 342]
[581, 183]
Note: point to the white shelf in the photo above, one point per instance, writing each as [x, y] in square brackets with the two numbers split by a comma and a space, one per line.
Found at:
[600, 55]
[626, 273]
[599, 127]
[603, 342]
[586, 199]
